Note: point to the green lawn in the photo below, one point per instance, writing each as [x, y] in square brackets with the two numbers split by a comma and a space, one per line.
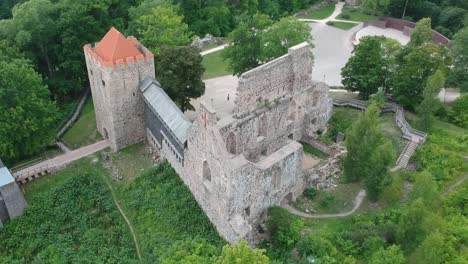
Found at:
[215, 66]
[322, 12]
[354, 14]
[84, 131]
[340, 199]
[341, 25]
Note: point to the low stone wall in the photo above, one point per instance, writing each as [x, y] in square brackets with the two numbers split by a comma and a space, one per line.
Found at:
[406, 27]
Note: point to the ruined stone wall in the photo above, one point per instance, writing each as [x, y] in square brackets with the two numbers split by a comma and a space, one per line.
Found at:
[117, 99]
[260, 133]
[206, 169]
[286, 75]
[255, 187]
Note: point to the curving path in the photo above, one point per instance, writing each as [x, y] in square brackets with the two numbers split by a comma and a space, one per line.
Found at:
[130, 226]
[455, 185]
[357, 203]
[336, 12]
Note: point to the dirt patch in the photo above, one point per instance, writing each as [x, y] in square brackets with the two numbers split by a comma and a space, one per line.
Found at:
[309, 161]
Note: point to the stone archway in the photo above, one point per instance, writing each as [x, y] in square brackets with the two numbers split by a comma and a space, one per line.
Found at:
[231, 143]
[106, 134]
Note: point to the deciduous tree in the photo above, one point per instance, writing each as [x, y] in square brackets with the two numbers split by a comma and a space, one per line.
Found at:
[458, 113]
[459, 51]
[162, 27]
[242, 253]
[180, 71]
[369, 154]
[245, 50]
[285, 33]
[389, 255]
[368, 69]
[27, 116]
[426, 109]
[257, 40]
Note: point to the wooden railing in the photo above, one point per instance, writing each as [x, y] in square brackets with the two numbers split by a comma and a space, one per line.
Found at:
[408, 132]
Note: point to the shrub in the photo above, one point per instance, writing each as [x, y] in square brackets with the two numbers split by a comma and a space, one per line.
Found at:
[440, 163]
[393, 192]
[340, 121]
[458, 113]
[310, 193]
[316, 245]
[285, 228]
[328, 200]
[346, 16]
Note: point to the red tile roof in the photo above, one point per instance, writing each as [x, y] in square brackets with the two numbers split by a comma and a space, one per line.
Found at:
[115, 46]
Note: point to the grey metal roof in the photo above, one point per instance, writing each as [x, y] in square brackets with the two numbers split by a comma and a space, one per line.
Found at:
[5, 176]
[167, 110]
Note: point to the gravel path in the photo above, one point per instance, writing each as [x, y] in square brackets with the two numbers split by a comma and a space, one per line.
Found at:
[357, 203]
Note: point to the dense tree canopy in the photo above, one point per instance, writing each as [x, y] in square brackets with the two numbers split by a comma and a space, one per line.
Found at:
[458, 113]
[258, 39]
[180, 69]
[426, 108]
[27, 116]
[415, 63]
[369, 67]
[459, 50]
[162, 27]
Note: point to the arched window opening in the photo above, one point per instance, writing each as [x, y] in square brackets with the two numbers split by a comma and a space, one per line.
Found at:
[231, 143]
[206, 171]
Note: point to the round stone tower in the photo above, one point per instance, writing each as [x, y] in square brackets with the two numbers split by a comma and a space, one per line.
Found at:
[116, 65]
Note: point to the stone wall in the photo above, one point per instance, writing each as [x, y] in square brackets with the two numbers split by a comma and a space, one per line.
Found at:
[118, 103]
[285, 75]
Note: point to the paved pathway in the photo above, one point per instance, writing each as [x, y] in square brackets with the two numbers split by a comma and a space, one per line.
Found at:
[203, 53]
[59, 161]
[357, 203]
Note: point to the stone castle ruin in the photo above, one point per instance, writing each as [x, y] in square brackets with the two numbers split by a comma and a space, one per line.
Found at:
[236, 162]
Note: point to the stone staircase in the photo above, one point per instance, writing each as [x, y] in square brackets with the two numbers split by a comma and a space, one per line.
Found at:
[406, 154]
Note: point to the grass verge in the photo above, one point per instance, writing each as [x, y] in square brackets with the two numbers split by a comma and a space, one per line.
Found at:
[341, 25]
[322, 12]
[84, 131]
[354, 14]
[338, 200]
[215, 65]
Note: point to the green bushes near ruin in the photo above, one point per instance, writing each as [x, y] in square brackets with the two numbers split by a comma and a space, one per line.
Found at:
[74, 221]
[163, 211]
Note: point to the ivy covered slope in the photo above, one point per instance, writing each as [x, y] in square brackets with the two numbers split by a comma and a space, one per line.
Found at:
[75, 221]
[163, 211]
